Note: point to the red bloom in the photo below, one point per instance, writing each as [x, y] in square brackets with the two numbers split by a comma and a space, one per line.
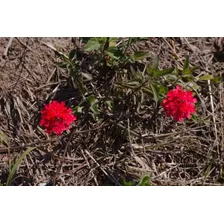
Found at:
[56, 117]
[179, 104]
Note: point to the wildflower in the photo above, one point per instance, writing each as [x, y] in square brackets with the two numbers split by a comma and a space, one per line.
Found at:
[179, 104]
[56, 117]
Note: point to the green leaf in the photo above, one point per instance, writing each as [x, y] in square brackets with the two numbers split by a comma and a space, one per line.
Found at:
[17, 163]
[194, 85]
[92, 44]
[134, 83]
[139, 55]
[95, 109]
[101, 40]
[109, 103]
[143, 38]
[188, 77]
[113, 41]
[114, 53]
[155, 64]
[155, 93]
[162, 89]
[62, 64]
[217, 79]
[138, 39]
[145, 180]
[149, 70]
[72, 54]
[78, 109]
[186, 63]
[85, 39]
[92, 99]
[189, 71]
[142, 97]
[176, 71]
[206, 77]
[194, 118]
[158, 73]
[147, 90]
[127, 183]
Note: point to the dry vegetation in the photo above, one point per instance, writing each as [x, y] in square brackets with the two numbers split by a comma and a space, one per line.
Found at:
[124, 143]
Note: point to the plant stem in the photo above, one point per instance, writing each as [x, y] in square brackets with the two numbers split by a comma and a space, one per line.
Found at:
[128, 44]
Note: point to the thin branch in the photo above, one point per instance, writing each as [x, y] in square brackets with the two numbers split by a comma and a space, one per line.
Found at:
[7, 47]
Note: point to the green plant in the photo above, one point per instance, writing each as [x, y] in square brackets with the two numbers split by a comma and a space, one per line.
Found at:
[15, 167]
[145, 180]
[110, 70]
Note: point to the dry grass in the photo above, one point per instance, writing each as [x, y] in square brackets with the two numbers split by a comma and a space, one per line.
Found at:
[124, 145]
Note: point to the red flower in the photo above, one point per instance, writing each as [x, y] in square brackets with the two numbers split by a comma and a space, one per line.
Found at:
[56, 117]
[179, 104]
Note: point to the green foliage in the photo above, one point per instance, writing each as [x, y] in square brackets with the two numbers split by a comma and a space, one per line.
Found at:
[112, 70]
[16, 165]
[188, 70]
[136, 74]
[139, 55]
[93, 44]
[114, 53]
[158, 73]
[206, 77]
[145, 180]
[94, 107]
[127, 183]
[78, 109]
[217, 79]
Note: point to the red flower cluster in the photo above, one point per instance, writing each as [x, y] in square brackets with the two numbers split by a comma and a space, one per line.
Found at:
[56, 117]
[179, 104]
